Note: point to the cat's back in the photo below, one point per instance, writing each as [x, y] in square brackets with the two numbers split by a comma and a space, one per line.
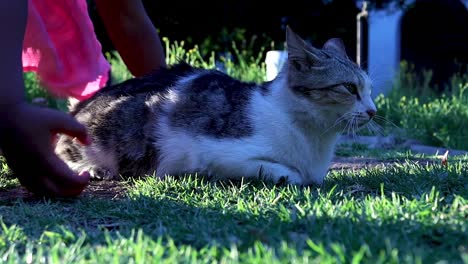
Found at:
[153, 83]
[211, 103]
[200, 101]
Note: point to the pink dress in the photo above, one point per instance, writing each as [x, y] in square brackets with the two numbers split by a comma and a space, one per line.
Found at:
[61, 47]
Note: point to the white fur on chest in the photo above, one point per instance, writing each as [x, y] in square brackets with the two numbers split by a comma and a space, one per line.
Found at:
[276, 130]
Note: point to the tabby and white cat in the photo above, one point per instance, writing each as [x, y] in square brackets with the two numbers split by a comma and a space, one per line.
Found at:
[187, 120]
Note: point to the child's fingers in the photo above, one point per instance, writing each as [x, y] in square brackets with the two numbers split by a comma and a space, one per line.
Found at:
[47, 175]
[65, 181]
[66, 124]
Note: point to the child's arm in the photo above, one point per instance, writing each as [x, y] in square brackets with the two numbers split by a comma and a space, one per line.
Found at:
[13, 15]
[133, 34]
[26, 131]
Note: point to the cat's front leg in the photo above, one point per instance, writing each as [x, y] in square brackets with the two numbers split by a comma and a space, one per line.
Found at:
[271, 170]
[232, 167]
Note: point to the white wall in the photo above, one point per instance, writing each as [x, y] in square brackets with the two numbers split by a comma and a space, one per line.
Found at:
[384, 48]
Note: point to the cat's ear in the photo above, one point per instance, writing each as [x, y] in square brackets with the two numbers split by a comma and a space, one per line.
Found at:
[336, 46]
[299, 49]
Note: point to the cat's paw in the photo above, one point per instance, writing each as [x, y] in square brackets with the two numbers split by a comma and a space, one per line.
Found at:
[105, 174]
[291, 178]
[280, 174]
[294, 178]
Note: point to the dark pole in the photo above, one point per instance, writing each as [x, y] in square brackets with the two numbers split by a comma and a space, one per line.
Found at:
[362, 37]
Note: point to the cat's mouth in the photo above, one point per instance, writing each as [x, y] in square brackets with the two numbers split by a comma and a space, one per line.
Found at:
[361, 119]
[355, 124]
[351, 122]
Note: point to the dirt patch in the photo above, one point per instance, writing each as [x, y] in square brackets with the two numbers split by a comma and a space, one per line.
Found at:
[352, 163]
[109, 190]
[105, 189]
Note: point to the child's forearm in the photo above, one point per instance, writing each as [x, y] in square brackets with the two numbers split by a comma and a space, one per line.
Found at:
[133, 34]
[140, 47]
[13, 18]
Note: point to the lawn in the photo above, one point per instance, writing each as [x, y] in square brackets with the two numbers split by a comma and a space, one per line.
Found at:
[389, 206]
[411, 211]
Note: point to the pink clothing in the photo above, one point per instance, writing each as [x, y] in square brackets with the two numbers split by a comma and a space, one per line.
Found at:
[61, 46]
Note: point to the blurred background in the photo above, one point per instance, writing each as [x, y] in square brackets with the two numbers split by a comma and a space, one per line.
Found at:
[431, 34]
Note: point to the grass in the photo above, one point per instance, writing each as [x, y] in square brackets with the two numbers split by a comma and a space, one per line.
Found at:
[409, 213]
[420, 113]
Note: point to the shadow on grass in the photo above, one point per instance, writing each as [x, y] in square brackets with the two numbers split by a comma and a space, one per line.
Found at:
[227, 222]
[410, 179]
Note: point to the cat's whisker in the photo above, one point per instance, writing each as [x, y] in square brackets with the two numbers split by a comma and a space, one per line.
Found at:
[379, 128]
[375, 75]
[344, 116]
[355, 127]
[350, 127]
[385, 120]
[376, 128]
[337, 122]
[344, 128]
[368, 126]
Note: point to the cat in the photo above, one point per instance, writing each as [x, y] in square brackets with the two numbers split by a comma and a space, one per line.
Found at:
[186, 120]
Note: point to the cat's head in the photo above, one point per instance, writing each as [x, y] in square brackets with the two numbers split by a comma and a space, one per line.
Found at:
[327, 85]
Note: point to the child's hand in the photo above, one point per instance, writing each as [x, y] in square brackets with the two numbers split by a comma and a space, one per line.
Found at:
[26, 136]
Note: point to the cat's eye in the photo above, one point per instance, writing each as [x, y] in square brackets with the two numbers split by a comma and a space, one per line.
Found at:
[351, 88]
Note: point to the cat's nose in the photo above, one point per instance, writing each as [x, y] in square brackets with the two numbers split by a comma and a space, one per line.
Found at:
[371, 112]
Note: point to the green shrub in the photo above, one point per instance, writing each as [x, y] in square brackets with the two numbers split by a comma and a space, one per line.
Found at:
[119, 71]
[241, 65]
[440, 120]
[33, 89]
[247, 67]
[177, 52]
